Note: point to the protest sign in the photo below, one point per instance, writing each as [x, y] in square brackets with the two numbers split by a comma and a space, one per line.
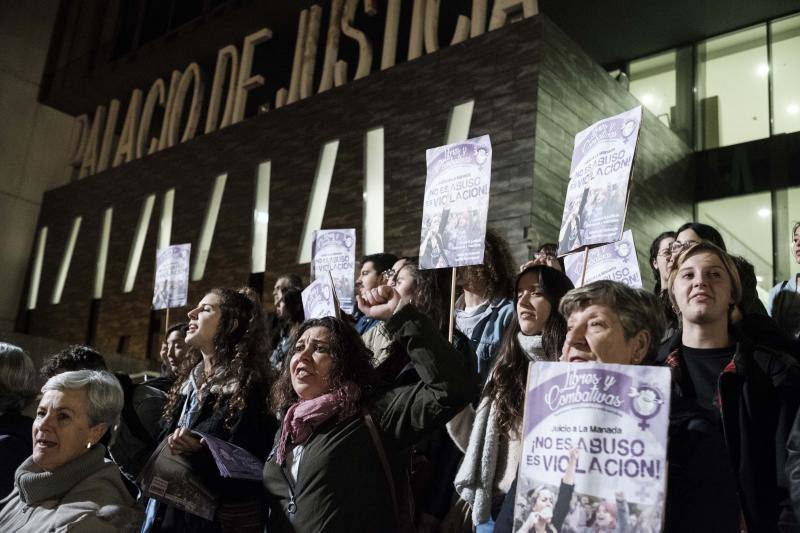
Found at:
[187, 481]
[599, 179]
[171, 285]
[616, 261]
[318, 300]
[456, 204]
[191, 482]
[603, 427]
[232, 461]
[334, 251]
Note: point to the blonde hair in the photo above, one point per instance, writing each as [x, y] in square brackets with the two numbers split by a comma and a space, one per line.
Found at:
[727, 263]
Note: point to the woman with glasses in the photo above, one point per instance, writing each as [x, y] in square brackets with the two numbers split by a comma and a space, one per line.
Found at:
[660, 258]
[536, 333]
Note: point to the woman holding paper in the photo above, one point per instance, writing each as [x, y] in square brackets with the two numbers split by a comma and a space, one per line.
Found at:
[491, 436]
[338, 462]
[222, 396]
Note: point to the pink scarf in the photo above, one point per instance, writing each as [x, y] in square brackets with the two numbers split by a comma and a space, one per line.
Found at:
[305, 416]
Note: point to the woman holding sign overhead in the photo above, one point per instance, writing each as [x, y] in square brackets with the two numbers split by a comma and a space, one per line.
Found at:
[491, 436]
[222, 396]
[337, 464]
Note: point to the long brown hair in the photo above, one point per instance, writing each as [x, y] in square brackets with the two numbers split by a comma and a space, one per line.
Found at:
[240, 348]
[506, 384]
[496, 272]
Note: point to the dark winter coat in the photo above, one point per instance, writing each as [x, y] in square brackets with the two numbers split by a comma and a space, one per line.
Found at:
[341, 483]
[253, 429]
[759, 393]
[15, 447]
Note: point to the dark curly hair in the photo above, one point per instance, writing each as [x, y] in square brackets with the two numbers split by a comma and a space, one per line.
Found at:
[506, 383]
[352, 361]
[496, 274]
[76, 357]
[241, 347]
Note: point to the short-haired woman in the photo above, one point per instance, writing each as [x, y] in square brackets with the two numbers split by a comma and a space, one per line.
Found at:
[222, 396]
[784, 297]
[536, 333]
[17, 390]
[336, 462]
[67, 484]
[734, 402]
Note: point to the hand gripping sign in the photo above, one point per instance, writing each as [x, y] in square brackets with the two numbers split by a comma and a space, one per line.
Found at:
[599, 180]
[598, 432]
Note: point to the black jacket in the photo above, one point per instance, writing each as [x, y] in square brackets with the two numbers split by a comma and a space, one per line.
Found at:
[341, 483]
[759, 394]
[253, 429]
[15, 447]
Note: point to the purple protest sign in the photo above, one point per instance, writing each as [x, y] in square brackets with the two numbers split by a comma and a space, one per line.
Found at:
[456, 204]
[603, 426]
[334, 251]
[171, 285]
[599, 178]
[318, 299]
[616, 261]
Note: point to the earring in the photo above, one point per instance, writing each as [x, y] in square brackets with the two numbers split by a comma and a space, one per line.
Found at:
[88, 445]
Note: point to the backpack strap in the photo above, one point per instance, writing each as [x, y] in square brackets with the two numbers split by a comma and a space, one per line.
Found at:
[376, 440]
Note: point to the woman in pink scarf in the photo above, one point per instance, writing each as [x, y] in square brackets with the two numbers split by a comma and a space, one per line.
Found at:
[336, 464]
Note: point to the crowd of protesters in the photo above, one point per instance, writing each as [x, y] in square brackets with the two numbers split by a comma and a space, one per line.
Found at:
[385, 421]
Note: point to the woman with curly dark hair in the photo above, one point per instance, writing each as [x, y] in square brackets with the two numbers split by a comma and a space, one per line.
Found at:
[339, 458]
[491, 436]
[484, 310]
[222, 396]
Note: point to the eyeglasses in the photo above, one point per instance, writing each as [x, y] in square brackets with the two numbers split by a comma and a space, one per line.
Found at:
[544, 255]
[666, 252]
[389, 275]
[678, 246]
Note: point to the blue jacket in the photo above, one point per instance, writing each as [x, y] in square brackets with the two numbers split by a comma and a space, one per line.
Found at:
[488, 333]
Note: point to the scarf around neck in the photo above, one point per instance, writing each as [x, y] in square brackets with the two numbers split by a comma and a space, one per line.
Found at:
[532, 346]
[305, 416]
[37, 485]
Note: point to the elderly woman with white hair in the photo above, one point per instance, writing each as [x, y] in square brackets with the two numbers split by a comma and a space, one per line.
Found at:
[17, 390]
[67, 484]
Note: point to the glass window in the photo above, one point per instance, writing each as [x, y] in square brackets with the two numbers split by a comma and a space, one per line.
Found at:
[786, 74]
[745, 223]
[732, 88]
[653, 83]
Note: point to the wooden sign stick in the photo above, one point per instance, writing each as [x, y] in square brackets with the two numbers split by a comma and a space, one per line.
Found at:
[166, 324]
[335, 297]
[452, 307]
[585, 263]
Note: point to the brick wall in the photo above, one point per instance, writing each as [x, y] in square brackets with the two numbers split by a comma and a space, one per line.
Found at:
[533, 90]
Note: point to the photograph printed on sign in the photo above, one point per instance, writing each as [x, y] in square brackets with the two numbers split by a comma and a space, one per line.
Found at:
[171, 286]
[456, 203]
[594, 452]
[597, 192]
[318, 299]
[616, 261]
[334, 251]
